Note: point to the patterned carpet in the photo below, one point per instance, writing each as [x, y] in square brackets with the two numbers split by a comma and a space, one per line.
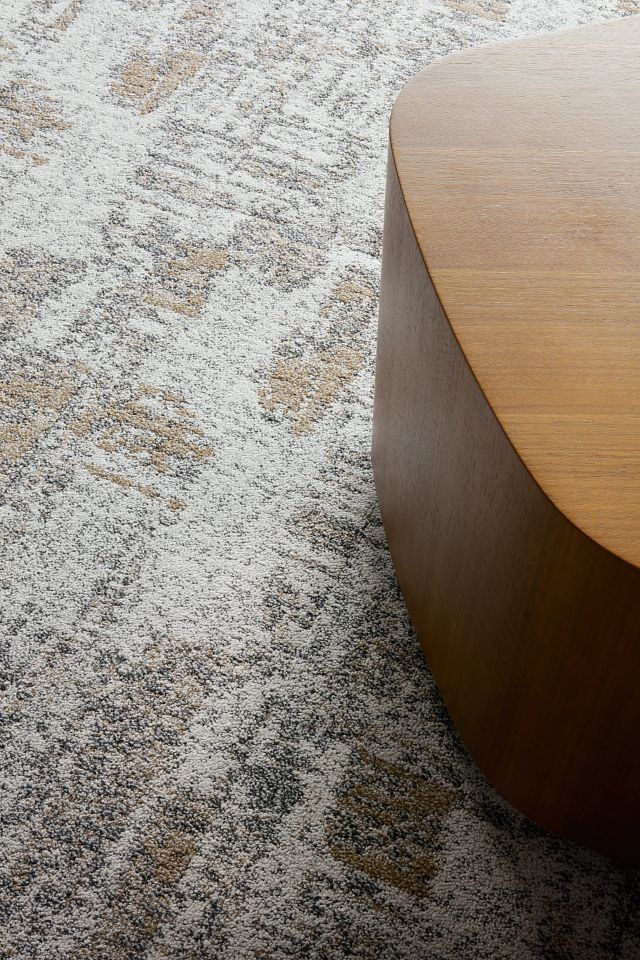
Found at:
[219, 736]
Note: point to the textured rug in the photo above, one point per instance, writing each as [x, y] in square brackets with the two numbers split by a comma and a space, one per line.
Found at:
[220, 736]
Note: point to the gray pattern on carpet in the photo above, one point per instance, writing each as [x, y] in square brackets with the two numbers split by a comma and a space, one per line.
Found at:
[220, 736]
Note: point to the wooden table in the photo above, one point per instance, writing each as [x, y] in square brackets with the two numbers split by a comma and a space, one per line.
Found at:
[507, 413]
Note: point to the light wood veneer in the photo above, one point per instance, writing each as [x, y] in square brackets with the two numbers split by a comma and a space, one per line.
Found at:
[507, 413]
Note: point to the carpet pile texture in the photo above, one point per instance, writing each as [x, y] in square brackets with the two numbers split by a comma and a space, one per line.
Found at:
[220, 738]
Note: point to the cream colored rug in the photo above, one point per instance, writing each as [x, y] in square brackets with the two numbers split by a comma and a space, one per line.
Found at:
[221, 739]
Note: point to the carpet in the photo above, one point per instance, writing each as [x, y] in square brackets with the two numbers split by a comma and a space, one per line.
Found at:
[220, 738]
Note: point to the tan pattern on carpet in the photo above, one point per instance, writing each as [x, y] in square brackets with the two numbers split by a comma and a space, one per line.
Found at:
[147, 81]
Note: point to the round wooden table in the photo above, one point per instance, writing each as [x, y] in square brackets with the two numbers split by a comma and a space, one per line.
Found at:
[507, 413]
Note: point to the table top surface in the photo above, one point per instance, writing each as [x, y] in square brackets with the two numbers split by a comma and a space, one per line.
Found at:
[520, 168]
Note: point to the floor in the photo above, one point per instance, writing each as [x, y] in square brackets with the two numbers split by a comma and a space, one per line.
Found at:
[220, 736]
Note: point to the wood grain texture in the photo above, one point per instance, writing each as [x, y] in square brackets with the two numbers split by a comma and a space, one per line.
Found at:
[520, 168]
[505, 452]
